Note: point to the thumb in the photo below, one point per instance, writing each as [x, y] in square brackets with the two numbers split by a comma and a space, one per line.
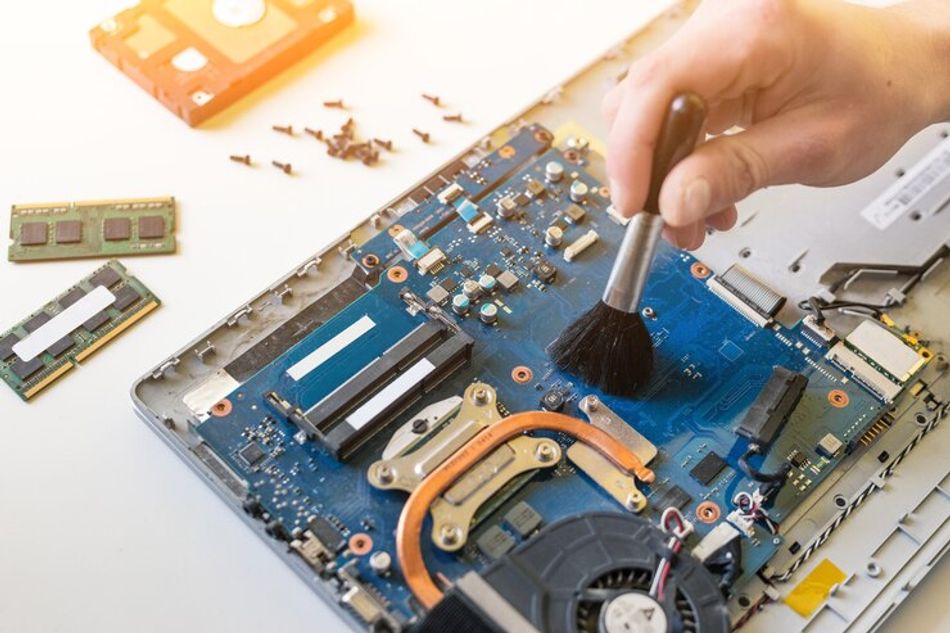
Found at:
[721, 172]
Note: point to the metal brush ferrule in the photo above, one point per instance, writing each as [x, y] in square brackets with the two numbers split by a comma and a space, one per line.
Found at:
[632, 266]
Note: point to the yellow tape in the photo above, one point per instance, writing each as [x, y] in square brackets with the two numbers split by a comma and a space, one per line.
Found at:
[813, 590]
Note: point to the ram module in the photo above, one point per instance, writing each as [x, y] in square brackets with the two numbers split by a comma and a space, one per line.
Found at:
[68, 329]
[99, 228]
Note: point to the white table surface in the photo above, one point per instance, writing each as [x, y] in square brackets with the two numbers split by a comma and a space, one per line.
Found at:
[102, 528]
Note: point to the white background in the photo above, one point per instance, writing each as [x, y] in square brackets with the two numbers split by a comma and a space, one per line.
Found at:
[102, 528]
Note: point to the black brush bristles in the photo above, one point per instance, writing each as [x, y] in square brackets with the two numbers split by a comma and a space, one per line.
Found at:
[608, 348]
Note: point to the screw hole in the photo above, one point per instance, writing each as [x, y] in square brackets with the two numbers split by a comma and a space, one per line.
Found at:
[745, 253]
[900, 173]
[920, 419]
[744, 601]
[796, 267]
[840, 501]
[915, 216]
[944, 134]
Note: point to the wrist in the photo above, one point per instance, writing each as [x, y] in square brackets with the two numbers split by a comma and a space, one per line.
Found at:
[931, 19]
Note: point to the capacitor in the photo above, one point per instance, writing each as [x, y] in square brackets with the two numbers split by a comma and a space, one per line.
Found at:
[487, 283]
[507, 208]
[381, 562]
[460, 304]
[471, 289]
[553, 171]
[488, 313]
[553, 236]
[579, 191]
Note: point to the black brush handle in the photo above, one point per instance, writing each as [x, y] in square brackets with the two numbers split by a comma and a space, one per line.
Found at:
[678, 137]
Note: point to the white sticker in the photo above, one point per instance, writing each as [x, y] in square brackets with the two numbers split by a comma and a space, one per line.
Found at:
[919, 180]
[332, 347]
[393, 391]
[64, 323]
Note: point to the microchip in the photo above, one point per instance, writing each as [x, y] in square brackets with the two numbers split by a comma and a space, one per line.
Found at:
[71, 297]
[552, 400]
[707, 468]
[545, 271]
[521, 199]
[106, 277]
[23, 369]
[328, 534]
[126, 296]
[535, 188]
[116, 229]
[508, 280]
[252, 454]
[466, 272]
[673, 497]
[34, 233]
[797, 459]
[438, 294]
[97, 320]
[493, 269]
[6, 345]
[68, 232]
[36, 322]
[495, 542]
[575, 214]
[523, 519]
[449, 284]
[506, 252]
[61, 346]
[151, 227]
[829, 446]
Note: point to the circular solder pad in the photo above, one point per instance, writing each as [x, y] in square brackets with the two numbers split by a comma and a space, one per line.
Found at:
[221, 408]
[838, 398]
[397, 274]
[708, 512]
[699, 270]
[360, 544]
[239, 13]
[522, 374]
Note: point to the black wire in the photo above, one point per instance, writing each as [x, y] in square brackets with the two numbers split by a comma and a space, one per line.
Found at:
[770, 481]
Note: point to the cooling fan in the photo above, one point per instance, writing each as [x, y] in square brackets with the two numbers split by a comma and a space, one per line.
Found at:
[592, 574]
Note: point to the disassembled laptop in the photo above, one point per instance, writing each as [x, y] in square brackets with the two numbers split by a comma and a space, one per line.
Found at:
[386, 417]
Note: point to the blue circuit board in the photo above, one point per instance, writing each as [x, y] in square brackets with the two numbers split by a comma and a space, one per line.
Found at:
[710, 364]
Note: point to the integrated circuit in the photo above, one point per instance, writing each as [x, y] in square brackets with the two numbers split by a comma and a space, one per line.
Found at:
[101, 228]
[495, 542]
[673, 497]
[65, 331]
[199, 56]
[523, 519]
[708, 468]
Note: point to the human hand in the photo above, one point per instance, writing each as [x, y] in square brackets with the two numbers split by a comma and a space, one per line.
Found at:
[825, 92]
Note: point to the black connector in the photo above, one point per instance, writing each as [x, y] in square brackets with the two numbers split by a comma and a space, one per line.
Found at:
[772, 407]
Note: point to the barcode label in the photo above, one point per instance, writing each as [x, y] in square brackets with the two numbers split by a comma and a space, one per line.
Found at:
[920, 180]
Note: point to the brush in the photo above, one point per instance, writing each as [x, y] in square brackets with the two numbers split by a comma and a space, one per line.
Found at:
[609, 347]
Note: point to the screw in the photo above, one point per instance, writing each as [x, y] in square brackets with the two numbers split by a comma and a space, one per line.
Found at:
[284, 167]
[633, 501]
[370, 158]
[385, 474]
[317, 134]
[283, 129]
[423, 135]
[333, 104]
[449, 534]
[545, 453]
[481, 395]
[246, 159]
[453, 118]
[433, 98]
[387, 145]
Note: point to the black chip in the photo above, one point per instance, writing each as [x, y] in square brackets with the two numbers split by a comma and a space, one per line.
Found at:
[23, 369]
[575, 214]
[535, 188]
[71, 297]
[61, 346]
[545, 271]
[328, 534]
[521, 199]
[673, 497]
[252, 454]
[36, 322]
[553, 400]
[116, 229]
[126, 296]
[107, 277]
[797, 459]
[467, 272]
[495, 542]
[523, 519]
[506, 252]
[97, 320]
[68, 232]
[449, 284]
[493, 269]
[151, 227]
[708, 468]
[6, 345]
[34, 233]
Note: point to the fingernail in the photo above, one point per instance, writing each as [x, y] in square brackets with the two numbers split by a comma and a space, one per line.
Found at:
[614, 193]
[696, 199]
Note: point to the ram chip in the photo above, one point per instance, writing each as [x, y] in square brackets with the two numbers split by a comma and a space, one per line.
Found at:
[65, 331]
[354, 412]
[103, 228]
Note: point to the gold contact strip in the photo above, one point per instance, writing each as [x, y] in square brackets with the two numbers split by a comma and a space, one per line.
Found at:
[115, 332]
[48, 380]
[89, 203]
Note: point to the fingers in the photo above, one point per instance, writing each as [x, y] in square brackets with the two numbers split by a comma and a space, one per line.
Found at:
[796, 147]
[692, 236]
